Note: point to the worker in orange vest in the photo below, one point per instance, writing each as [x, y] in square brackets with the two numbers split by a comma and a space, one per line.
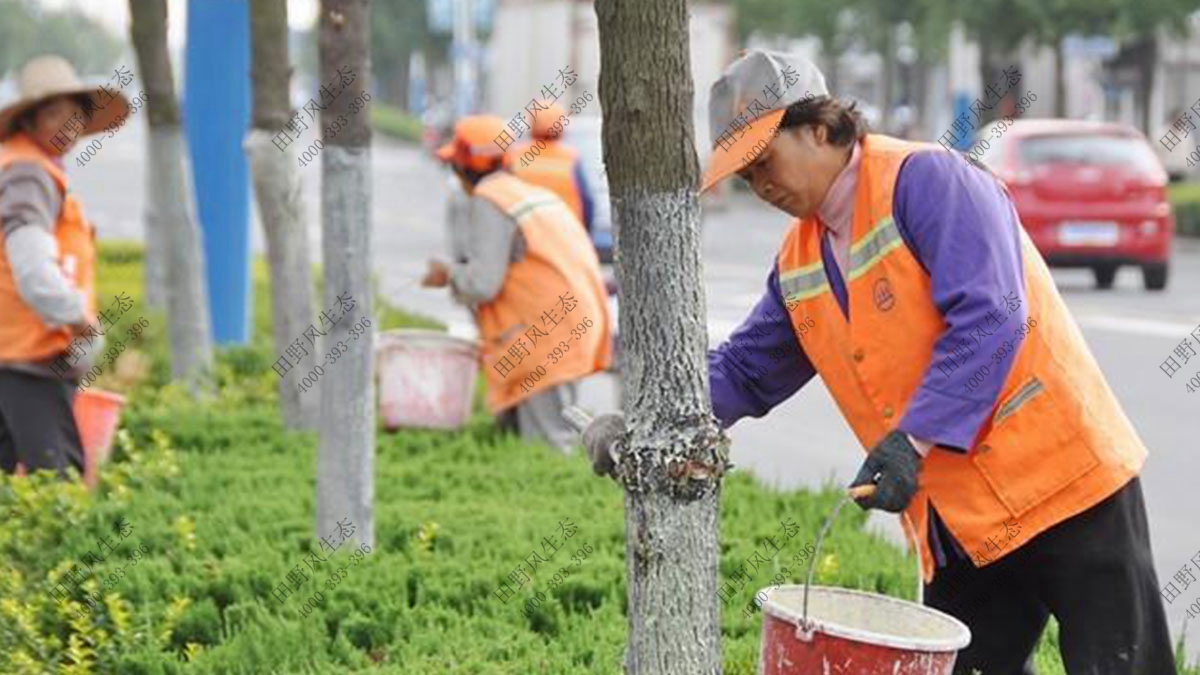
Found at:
[907, 283]
[551, 163]
[532, 280]
[47, 265]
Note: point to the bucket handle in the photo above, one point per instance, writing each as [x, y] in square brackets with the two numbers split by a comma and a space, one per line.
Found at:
[807, 628]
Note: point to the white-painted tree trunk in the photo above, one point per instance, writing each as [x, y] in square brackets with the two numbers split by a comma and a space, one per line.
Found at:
[171, 208]
[277, 189]
[346, 454]
[674, 453]
[154, 258]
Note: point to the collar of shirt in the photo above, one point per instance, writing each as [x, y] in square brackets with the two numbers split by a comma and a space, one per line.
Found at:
[837, 209]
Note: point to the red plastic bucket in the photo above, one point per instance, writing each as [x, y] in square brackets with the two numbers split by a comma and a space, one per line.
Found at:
[852, 632]
[97, 414]
[426, 379]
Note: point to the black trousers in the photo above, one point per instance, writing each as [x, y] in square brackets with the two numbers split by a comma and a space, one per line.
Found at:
[1094, 572]
[37, 425]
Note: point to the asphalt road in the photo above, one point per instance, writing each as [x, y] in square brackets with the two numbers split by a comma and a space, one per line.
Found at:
[803, 442]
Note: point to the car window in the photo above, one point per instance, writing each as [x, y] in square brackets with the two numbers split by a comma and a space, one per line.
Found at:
[1089, 149]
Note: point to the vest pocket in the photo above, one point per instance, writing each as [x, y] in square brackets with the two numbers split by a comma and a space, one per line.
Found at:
[1029, 454]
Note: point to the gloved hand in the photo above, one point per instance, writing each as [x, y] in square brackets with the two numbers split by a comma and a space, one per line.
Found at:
[599, 439]
[898, 463]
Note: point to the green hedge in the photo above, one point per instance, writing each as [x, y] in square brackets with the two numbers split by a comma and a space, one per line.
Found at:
[224, 501]
[395, 122]
[1186, 199]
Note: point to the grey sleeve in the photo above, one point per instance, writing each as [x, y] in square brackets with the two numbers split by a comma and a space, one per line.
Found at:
[28, 196]
[486, 242]
[29, 207]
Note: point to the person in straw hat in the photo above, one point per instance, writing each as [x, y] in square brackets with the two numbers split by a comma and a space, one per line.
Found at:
[47, 257]
[525, 267]
[907, 283]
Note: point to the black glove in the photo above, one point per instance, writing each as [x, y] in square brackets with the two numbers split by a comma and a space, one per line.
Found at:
[599, 440]
[897, 463]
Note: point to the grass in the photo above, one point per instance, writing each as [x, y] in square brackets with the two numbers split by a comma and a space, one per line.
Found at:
[223, 499]
[395, 123]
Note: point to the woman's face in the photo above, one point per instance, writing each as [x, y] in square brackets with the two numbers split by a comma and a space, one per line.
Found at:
[50, 124]
[795, 170]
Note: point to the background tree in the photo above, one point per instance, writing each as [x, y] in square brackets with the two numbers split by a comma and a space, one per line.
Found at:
[674, 453]
[27, 30]
[398, 30]
[346, 451]
[277, 188]
[1138, 23]
[170, 210]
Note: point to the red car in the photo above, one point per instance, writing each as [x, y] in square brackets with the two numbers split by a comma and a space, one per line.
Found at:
[1090, 194]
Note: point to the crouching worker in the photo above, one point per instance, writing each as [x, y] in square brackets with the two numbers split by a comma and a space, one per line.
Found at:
[525, 268]
[47, 291]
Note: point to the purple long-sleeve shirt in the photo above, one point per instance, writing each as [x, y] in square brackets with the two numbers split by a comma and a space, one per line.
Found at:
[965, 235]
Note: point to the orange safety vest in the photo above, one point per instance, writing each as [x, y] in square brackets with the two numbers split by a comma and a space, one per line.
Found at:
[544, 300]
[23, 334]
[552, 168]
[1057, 441]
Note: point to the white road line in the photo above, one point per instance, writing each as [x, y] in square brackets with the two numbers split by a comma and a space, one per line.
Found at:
[1136, 326]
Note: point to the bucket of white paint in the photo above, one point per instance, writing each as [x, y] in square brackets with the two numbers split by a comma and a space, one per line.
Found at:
[426, 379]
[839, 631]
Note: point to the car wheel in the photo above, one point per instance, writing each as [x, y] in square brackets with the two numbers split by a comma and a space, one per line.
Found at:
[1155, 276]
[1105, 276]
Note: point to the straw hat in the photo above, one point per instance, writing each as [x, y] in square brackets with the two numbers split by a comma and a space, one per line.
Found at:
[45, 77]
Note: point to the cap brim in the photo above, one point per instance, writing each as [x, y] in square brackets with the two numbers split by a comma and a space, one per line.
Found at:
[446, 152]
[731, 158]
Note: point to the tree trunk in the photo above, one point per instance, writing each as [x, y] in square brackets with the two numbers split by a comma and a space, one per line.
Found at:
[985, 78]
[1060, 79]
[888, 54]
[170, 206]
[1147, 60]
[277, 188]
[346, 452]
[674, 453]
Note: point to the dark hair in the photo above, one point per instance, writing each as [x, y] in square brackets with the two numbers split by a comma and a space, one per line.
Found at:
[843, 123]
[24, 121]
[473, 177]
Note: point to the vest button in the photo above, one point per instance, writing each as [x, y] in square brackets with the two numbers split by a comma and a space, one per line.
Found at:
[859, 355]
[888, 412]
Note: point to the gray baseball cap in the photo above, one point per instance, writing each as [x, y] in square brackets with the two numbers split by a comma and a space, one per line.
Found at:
[747, 103]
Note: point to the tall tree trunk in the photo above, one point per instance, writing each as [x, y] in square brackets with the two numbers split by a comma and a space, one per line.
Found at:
[920, 92]
[985, 78]
[170, 205]
[277, 187]
[346, 452]
[674, 454]
[1060, 78]
[1147, 61]
[888, 54]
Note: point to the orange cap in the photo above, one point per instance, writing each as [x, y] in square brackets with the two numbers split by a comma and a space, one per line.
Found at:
[732, 155]
[474, 144]
[543, 124]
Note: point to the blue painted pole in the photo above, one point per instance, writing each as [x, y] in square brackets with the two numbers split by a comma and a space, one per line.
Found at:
[216, 113]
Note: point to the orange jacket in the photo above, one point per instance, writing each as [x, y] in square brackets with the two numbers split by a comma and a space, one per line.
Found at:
[543, 301]
[553, 167]
[23, 334]
[1057, 442]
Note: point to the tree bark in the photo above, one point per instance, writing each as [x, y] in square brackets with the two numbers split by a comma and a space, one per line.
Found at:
[170, 206]
[154, 268]
[888, 54]
[346, 451]
[277, 188]
[1147, 60]
[674, 453]
[1060, 79]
